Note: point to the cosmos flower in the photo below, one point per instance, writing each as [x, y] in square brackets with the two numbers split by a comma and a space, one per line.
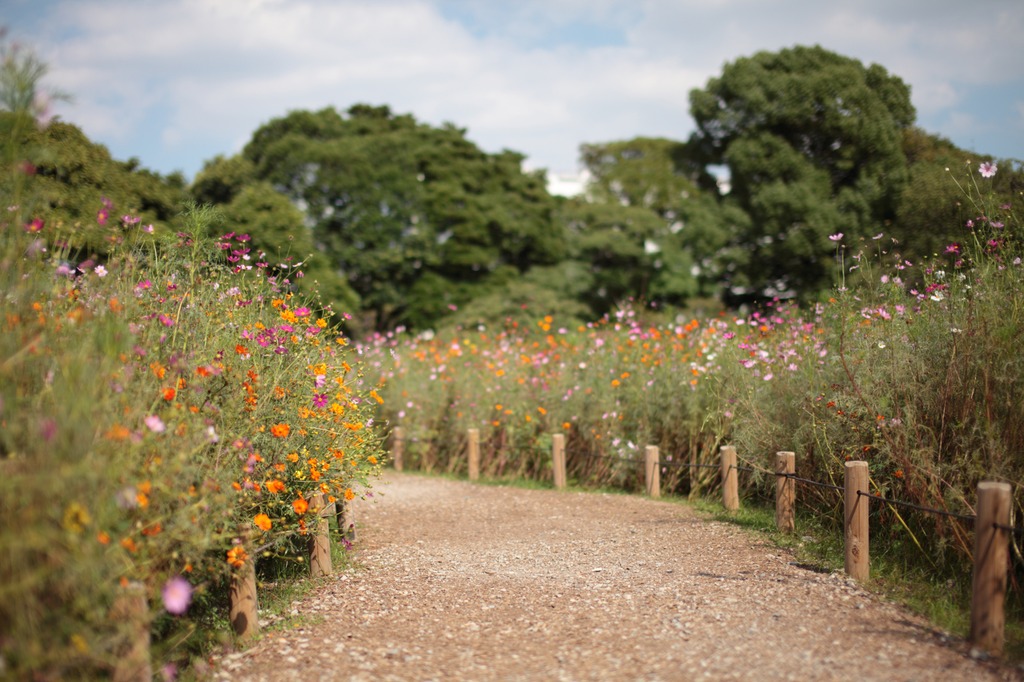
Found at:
[177, 595]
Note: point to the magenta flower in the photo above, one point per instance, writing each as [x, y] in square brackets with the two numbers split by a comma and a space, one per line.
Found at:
[177, 595]
[35, 226]
[320, 400]
[987, 169]
[102, 216]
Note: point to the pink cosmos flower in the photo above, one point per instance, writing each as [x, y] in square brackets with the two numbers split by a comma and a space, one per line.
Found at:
[177, 595]
[987, 169]
[155, 424]
[836, 237]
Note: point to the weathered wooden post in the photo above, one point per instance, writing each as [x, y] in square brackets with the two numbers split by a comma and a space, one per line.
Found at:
[242, 598]
[346, 518]
[319, 539]
[785, 492]
[991, 552]
[730, 478]
[132, 612]
[397, 447]
[652, 471]
[558, 459]
[474, 454]
[856, 528]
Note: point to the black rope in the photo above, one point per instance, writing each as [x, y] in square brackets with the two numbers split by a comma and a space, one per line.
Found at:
[911, 505]
[816, 484]
[1010, 529]
[689, 465]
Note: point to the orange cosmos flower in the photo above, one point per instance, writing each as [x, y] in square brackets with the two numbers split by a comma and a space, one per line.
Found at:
[169, 394]
[237, 556]
[349, 494]
[262, 522]
[300, 506]
[280, 430]
[274, 486]
[151, 530]
[118, 432]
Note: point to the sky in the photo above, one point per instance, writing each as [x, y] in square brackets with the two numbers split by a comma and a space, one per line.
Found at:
[176, 82]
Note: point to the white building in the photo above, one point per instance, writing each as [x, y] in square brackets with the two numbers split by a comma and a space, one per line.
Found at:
[568, 184]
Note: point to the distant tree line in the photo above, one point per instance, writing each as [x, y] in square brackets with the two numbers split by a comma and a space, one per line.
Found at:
[403, 223]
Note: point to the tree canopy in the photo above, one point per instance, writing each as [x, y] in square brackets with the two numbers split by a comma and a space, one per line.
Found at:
[416, 218]
[69, 177]
[813, 143]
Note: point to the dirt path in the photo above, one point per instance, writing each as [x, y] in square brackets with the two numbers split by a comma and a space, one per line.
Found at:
[469, 582]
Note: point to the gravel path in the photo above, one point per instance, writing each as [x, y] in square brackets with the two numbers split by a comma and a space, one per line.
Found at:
[469, 582]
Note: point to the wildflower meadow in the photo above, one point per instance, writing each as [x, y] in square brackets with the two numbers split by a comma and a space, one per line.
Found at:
[913, 367]
[167, 411]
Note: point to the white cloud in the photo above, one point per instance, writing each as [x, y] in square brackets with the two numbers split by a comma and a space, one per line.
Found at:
[206, 74]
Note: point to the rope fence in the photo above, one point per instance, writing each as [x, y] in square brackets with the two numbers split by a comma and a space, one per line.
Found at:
[910, 505]
[992, 523]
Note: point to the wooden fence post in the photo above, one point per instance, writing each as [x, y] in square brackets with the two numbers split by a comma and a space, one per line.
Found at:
[397, 447]
[243, 602]
[346, 518]
[319, 539]
[785, 492]
[474, 454]
[652, 471]
[855, 508]
[130, 609]
[558, 459]
[988, 585]
[730, 478]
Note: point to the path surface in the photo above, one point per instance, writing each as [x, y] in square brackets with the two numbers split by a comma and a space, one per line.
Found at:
[469, 582]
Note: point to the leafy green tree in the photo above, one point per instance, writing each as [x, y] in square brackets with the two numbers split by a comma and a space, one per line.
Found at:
[654, 173]
[627, 252]
[221, 179]
[662, 177]
[813, 144]
[70, 177]
[417, 218]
